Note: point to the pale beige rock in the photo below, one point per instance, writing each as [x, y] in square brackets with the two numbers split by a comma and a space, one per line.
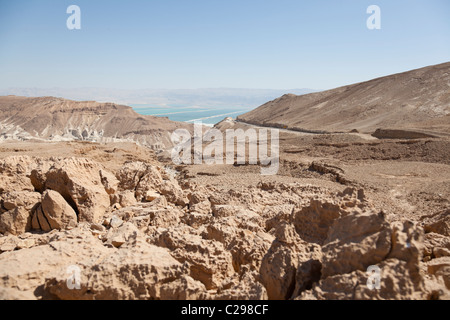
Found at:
[223, 211]
[348, 279]
[353, 286]
[203, 207]
[209, 262]
[138, 175]
[57, 211]
[355, 242]
[279, 265]
[173, 193]
[246, 288]
[438, 223]
[127, 199]
[434, 241]
[160, 202]
[26, 243]
[105, 273]
[184, 288]
[109, 181]
[273, 215]
[144, 178]
[16, 221]
[14, 199]
[115, 222]
[247, 247]
[137, 274]
[196, 219]
[15, 294]
[151, 195]
[312, 222]
[125, 233]
[78, 181]
[165, 218]
[9, 243]
[441, 268]
[97, 227]
[13, 171]
[197, 197]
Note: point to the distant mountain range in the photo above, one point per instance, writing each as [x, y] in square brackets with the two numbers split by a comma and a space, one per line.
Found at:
[220, 97]
[417, 99]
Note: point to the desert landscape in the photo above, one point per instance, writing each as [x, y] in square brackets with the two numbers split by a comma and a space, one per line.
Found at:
[363, 181]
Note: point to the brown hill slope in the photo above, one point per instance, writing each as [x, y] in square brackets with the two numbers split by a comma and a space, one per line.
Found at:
[418, 99]
[58, 119]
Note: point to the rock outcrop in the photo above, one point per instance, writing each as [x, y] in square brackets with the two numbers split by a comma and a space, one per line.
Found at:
[56, 119]
[72, 229]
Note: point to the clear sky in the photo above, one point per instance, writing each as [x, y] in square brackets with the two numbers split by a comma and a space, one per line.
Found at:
[174, 44]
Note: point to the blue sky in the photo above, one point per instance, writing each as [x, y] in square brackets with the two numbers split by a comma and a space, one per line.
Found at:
[175, 44]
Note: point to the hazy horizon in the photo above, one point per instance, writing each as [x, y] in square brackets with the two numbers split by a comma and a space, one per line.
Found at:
[210, 97]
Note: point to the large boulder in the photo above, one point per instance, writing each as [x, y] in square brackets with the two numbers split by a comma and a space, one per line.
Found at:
[80, 183]
[55, 212]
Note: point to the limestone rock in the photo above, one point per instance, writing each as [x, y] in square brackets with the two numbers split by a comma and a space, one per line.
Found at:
[441, 269]
[109, 181]
[146, 179]
[355, 242]
[127, 199]
[9, 243]
[196, 219]
[139, 272]
[13, 171]
[246, 288]
[312, 222]
[279, 265]
[353, 286]
[438, 223]
[16, 221]
[79, 182]
[203, 207]
[115, 222]
[57, 211]
[209, 262]
[126, 233]
[184, 288]
[151, 195]
[14, 199]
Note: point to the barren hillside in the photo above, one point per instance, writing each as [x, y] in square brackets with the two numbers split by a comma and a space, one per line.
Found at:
[58, 119]
[418, 99]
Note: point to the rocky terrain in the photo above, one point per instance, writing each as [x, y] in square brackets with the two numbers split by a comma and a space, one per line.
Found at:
[139, 229]
[111, 219]
[414, 100]
[56, 119]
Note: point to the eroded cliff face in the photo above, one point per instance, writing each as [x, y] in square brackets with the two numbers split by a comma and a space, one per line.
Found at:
[416, 100]
[56, 119]
[135, 232]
